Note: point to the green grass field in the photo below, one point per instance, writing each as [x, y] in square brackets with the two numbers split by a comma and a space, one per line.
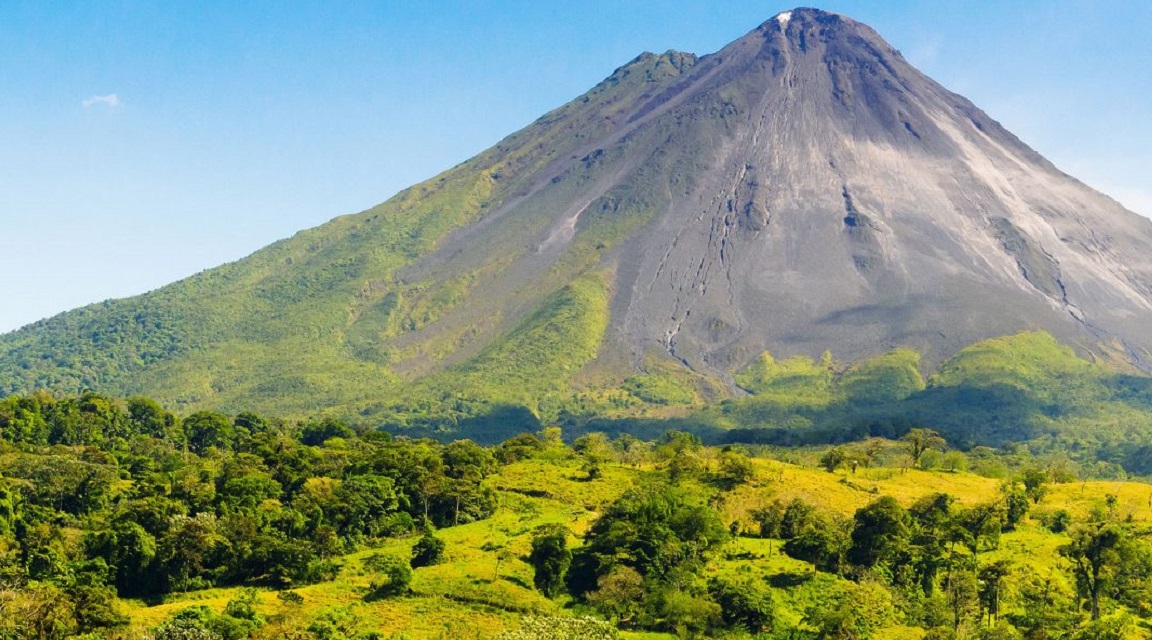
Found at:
[485, 585]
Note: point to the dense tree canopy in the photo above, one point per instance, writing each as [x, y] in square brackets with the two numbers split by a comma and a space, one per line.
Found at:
[103, 498]
[163, 504]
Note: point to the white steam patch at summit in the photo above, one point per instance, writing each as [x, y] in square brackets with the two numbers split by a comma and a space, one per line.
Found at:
[783, 19]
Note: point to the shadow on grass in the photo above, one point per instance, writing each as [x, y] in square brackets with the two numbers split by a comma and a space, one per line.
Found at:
[788, 579]
[519, 582]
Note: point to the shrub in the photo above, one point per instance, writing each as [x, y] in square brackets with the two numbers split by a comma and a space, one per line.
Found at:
[561, 628]
[429, 550]
[745, 605]
[392, 576]
[1058, 521]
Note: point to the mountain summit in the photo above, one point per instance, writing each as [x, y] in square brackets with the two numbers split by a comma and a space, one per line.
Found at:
[848, 201]
[803, 189]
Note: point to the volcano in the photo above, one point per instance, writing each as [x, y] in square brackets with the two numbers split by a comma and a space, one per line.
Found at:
[802, 190]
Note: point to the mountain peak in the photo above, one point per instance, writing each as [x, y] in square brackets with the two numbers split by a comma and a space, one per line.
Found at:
[806, 16]
[803, 26]
[803, 189]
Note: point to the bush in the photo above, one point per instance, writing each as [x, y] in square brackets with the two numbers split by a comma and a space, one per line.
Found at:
[397, 524]
[1056, 521]
[687, 614]
[201, 623]
[744, 605]
[392, 576]
[852, 611]
[290, 598]
[560, 628]
[320, 570]
[428, 551]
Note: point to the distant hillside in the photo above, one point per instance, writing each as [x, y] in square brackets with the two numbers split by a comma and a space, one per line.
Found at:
[1021, 388]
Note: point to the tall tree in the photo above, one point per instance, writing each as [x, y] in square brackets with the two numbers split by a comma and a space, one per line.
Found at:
[206, 429]
[931, 524]
[981, 523]
[1035, 483]
[822, 541]
[654, 529]
[550, 558]
[961, 594]
[1095, 554]
[148, 418]
[918, 441]
[467, 464]
[833, 458]
[991, 582]
[881, 532]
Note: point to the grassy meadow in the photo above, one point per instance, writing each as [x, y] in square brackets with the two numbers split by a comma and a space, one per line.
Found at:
[484, 585]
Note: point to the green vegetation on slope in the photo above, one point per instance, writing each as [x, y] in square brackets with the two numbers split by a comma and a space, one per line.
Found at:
[1021, 388]
[891, 377]
[284, 311]
[797, 380]
[523, 374]
[340, 316]
[540, 356]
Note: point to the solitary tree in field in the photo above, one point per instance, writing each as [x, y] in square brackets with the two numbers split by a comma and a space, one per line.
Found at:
[1035, 483]
[429, 550]
[833, 458]
[871, 451]
[392, 576]
[735, 468]
[918, 441]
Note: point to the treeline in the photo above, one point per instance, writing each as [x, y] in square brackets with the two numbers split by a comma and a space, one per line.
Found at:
[101, 497]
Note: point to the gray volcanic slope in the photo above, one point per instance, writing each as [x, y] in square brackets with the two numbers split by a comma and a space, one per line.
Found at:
[858, 205]
[802, 189]
[811, 190]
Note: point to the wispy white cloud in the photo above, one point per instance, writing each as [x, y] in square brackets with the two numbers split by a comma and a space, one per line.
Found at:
[110, 100]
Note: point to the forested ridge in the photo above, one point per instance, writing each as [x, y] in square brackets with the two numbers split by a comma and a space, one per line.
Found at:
[120, 519]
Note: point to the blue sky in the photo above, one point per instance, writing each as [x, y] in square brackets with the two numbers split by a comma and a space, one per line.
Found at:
[141, 142]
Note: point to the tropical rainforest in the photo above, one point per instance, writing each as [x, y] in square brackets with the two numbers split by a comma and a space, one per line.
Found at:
[120, 519]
